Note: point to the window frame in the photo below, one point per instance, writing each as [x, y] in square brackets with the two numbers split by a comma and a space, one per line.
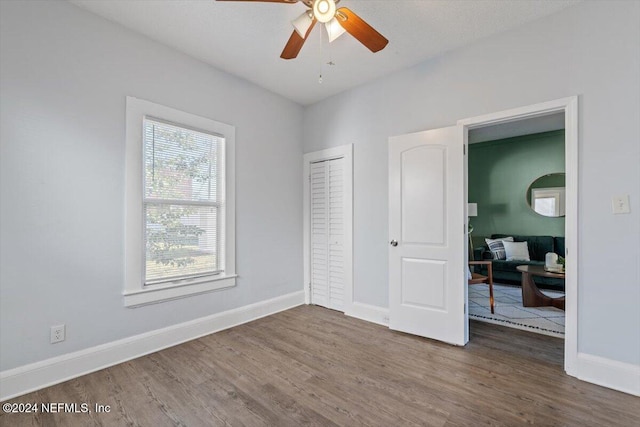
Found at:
[136, 293]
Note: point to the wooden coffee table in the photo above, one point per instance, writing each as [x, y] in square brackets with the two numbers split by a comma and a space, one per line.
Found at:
[531, 295]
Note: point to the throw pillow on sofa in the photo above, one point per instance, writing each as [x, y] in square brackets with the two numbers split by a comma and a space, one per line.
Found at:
[496, 247]
[517, 251]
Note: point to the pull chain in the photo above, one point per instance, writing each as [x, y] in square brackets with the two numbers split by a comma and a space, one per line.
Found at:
[330, 62]
[321, 59]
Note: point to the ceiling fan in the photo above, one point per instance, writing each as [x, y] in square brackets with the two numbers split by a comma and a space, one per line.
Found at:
[336, 22]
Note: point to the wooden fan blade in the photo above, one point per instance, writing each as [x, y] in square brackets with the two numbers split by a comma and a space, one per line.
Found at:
[362, 31]
[293, 46]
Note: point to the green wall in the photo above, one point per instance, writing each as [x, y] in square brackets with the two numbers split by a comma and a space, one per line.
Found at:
[499, 174]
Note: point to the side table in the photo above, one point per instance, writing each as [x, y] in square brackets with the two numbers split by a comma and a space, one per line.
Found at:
[531, 295]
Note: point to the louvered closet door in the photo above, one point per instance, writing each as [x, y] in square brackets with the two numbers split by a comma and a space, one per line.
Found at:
[327, 233]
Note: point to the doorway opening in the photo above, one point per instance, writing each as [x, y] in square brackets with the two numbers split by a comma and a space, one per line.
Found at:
[516, 183]
[568, 108]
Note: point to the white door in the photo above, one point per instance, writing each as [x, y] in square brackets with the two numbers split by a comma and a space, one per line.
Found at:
[427, 234]
[327, 234]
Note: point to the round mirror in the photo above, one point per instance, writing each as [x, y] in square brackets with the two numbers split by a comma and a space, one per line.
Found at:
[546, 195]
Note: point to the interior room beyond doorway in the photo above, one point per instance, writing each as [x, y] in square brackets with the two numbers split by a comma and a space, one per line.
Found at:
[507, 164]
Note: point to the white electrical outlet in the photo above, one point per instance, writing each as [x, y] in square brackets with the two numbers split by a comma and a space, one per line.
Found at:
[57, 333]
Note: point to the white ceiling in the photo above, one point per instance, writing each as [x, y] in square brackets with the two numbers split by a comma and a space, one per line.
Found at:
[246, 38]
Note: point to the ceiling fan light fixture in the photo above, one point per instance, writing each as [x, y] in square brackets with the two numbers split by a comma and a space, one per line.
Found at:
[302, 23]
[334, 29]
[324, 10]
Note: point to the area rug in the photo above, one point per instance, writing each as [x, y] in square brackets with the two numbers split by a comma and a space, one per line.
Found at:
[510, 312]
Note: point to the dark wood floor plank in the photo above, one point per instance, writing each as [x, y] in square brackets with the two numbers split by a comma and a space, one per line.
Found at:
[330, 361]
[297, 386]
[316, 367]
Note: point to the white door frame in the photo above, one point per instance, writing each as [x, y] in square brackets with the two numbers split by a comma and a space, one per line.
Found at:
[570, 108]
[345, 152]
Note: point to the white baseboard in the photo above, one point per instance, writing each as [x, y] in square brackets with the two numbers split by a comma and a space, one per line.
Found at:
[370, 313]
[28, 378]
[609, 373]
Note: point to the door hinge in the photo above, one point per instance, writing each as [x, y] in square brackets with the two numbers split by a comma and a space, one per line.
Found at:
[464, 150]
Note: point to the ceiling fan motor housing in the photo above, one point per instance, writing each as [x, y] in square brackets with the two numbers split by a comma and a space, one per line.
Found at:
[324, 10]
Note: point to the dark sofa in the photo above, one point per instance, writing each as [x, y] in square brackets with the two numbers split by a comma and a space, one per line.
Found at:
[505, 271]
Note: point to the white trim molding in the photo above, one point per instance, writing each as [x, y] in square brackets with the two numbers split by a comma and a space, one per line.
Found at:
[569, 106]
[345, 152]
[609, 373]
[35, 376]
[369, 313]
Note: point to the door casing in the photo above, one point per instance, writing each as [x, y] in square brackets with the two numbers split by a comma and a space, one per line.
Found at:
[569, 106]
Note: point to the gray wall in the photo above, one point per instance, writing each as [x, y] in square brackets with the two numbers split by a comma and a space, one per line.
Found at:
[64, 77]
[589, 50]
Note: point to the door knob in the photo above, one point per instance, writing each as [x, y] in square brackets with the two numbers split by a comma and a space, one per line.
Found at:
[394, 243]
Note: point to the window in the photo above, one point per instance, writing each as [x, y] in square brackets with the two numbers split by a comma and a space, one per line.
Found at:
[548, 201]
[180, 236]
[181, 203]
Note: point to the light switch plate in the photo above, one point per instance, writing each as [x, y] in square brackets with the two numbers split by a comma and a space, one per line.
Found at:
[620, 204]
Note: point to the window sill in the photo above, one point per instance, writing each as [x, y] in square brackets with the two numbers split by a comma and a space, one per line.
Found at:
[160, 293]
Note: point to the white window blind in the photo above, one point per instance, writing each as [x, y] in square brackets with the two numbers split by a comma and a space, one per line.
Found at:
[183, 200]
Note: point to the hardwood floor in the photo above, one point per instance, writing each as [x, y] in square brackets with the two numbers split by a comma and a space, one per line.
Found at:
[313, 366]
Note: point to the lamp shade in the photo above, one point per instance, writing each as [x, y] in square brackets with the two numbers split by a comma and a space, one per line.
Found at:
[472, 209]
[302, 24]
[334, 29]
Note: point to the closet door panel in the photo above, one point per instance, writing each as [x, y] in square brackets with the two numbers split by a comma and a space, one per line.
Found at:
[336, 233]
[319, 235]
[327, 233]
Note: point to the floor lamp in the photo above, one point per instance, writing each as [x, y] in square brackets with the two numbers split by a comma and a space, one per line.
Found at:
[472, 211]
